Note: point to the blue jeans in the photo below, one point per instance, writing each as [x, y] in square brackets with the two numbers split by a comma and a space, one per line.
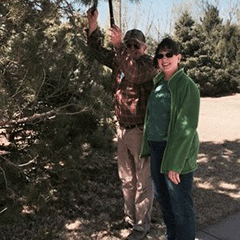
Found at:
[175, 200]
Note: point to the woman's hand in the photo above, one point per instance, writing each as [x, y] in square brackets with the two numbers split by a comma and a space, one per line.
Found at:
[174, 177]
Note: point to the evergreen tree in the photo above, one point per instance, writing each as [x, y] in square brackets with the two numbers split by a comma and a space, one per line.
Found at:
[187, 36]
[55, 98]
[204, 49]
[211, 20]
[46, 65]
[228, 44]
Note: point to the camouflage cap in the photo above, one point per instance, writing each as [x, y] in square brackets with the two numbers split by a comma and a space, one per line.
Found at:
[134, 35]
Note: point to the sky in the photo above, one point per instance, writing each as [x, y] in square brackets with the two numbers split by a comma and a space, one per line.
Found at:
[156, 17]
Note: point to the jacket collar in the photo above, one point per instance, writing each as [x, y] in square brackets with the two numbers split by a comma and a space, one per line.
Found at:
[160, 76]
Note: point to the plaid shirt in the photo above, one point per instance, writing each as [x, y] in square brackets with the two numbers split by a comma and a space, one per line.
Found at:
[132, 80]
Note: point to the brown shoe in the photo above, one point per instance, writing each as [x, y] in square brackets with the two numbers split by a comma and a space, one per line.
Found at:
[121, 225]
[137, 235]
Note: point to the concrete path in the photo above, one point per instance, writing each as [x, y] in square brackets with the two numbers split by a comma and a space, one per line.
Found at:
[226, 229]
[219, 119]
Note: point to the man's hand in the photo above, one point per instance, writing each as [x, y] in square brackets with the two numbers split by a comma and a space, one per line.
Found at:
[115, 35]
[92, 19]
[174, 177]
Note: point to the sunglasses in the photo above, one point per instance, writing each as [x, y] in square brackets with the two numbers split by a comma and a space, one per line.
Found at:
[167, 55]
[135, 45]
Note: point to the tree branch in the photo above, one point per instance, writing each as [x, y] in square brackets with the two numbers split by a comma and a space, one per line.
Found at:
[28, 119]
[42, 116]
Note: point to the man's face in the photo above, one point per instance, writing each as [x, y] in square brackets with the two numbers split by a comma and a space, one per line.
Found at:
[136, 49]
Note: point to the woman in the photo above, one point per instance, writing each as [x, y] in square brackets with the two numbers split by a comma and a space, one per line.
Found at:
[170, 137]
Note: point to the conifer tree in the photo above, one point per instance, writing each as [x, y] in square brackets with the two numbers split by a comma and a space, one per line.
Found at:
[46, 66]
[203, 46]
[55, 98]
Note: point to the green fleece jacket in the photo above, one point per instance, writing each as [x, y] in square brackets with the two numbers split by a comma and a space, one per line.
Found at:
[181, 151]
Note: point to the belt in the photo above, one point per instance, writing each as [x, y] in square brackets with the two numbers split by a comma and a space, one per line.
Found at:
[131, 126]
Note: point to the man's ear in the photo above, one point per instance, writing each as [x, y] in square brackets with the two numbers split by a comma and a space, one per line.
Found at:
[145, 48]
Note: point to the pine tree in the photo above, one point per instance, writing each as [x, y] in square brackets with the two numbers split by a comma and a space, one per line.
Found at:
[46, 65]
[211, 20]
[55, 97]
[204, 48]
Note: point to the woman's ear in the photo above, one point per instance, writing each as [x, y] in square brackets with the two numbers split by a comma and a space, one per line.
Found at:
[179, 56]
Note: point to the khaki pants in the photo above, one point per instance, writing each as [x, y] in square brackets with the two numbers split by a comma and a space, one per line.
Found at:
[134, 173]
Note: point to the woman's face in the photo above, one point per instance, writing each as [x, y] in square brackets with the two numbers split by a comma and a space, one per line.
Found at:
[168, 62]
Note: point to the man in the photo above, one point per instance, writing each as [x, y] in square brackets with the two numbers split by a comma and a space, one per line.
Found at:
[132, 72]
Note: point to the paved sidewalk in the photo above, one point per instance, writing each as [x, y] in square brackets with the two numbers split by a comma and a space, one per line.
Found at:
[226, 229]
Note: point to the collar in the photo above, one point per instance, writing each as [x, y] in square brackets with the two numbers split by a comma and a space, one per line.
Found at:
[161, 75]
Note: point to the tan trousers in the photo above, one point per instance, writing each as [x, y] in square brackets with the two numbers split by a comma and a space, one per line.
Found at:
[134, 173]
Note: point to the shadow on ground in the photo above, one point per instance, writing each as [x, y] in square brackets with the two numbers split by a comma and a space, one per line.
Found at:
[217, 181]
[89, 212]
